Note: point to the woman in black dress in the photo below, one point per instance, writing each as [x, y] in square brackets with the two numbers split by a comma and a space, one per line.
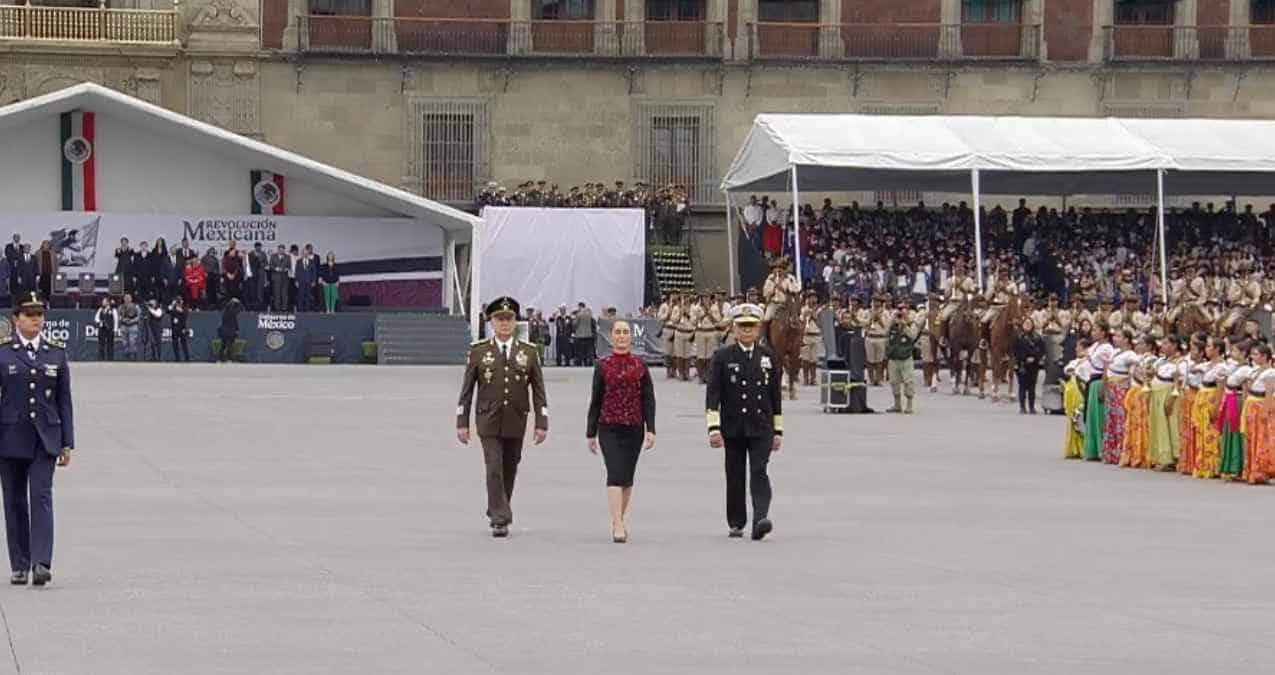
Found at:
[1029, 353]
[621, 420]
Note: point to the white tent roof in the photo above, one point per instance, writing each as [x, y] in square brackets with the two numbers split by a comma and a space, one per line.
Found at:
[100, 99]
[1015, 155]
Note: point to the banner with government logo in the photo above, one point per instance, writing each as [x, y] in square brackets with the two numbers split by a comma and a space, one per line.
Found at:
[79, 161]
[366, 249]
[267, 193]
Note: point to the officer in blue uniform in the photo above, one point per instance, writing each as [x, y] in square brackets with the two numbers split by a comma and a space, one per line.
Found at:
[745, 415]
[36, 432]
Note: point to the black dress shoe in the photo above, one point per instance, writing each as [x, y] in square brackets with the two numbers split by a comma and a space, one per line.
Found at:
[18, 578]
[41, 576]
[762, 528]
[736, 532]
[499, 531]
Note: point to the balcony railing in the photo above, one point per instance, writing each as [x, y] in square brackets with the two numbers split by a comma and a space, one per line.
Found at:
[892, 41]
[500, 37]
[77, 24]
[1189, 43]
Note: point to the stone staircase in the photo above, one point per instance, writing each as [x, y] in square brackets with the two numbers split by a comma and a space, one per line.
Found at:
[421, 339]
[673, 268]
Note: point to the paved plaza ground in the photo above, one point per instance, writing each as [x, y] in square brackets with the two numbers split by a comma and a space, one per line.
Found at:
[259, 519]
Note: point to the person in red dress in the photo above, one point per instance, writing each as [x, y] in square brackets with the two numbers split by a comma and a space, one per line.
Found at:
[621, 421]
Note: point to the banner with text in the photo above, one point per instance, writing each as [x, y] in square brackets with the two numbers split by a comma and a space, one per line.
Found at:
[366, 249]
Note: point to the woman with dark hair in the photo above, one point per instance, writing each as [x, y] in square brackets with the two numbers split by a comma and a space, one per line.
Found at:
[1204, 415]
[1190, 373]
[1075, 377]
[160, 268]
[47, 268]
[1163, 447]
[621, 420]
[1137, 405]
[228, 331]
[1232, 462]
[1029, 350]
[1100, 354]
[1259, 444]
[1115, 387]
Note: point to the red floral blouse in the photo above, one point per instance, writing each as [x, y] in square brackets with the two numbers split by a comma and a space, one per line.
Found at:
[623, 394]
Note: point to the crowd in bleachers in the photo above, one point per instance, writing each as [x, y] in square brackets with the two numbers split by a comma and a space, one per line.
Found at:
[667, 207]
[856, 251]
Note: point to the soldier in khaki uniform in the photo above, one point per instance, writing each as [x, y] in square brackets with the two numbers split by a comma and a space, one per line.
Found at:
[1079, 314]
[876, 330]
[1102, 315]
[998, 296]
[506, 374]
[684, 324]
[810, 338]
[667, 331]
[707, 321]
[1158, 319]
[1122, 319]
[1243, 295]
[925, 338]
[1054, 322]
[1126, 287]
[1139, 321]
[960, 287]
[857, 315]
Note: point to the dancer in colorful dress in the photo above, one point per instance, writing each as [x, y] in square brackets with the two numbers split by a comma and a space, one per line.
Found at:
[1163, 448]
[1076, 376]
[1192, 374]
[1100, 354]
[1229, 413]
[1137, 406]
[1256, 424]
[1207, 438]
[1115, 388]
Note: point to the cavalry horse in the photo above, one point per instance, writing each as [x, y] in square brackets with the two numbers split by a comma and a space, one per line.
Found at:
[930, 350]
[962, 345]
[785, 334]
[1004, 332]
[1192, 320]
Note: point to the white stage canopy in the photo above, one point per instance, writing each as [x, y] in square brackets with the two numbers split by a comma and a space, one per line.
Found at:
[1004, 155]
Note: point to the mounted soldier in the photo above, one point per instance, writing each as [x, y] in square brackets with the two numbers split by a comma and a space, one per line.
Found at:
[780, 286]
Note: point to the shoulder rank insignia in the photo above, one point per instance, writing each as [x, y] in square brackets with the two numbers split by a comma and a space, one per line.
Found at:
[6, 340]
[58, 344]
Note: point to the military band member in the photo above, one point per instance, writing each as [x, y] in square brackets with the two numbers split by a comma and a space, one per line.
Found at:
[37, 432]
[1102, 315]
[1243, 295]
[683, 337]
[1119, 319]
[665, 316]
[876, 330]
[745, 415]
[1140, 321]
[857, 314]
[706, 335]
[901, 342]
[1054, 322]
[810, 337]
[1126, 287]
[506, 374]
[927, 317]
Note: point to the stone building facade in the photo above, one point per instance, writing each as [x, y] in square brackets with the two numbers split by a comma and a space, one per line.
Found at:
[441, 97]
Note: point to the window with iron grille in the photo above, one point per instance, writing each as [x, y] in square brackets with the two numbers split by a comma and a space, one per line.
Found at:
[562, 10]
[991, 11]
[677, 145]
[675, 10]
[1262, 11]
[340, 7]
[1144, 12]
[449, 153]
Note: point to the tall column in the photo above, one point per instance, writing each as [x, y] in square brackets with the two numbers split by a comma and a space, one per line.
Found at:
[519, 27]
[1237, 35]
[634, 27]
[746, 18]
[1033, 38]
[1186, 36]
[606, 39]
[291, 36]
[1104, 15]
[715, 14]
[384, 35]
[950, 29]
[830, 43]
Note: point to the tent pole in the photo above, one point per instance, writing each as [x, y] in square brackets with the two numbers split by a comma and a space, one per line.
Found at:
[978, 231]
[1164, 258]
[731, 251]
[475, 269]
[796, 226]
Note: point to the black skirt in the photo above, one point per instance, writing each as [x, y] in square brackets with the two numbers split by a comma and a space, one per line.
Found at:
[620, 448]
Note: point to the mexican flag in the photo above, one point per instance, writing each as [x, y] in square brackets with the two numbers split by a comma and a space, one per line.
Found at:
[79, 162]
[266, 193]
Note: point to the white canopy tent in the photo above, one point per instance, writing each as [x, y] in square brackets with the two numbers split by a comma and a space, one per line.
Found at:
[1003, 155]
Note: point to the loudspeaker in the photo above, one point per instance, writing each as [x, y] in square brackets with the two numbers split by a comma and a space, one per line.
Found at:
[58, 287]
[851, 349]
[116, 286]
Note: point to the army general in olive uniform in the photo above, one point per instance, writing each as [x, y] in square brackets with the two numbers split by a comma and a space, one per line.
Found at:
[506, 373]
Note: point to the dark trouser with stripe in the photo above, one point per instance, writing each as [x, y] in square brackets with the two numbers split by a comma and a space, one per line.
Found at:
[501, 455]
[28, 522]
[746, 459]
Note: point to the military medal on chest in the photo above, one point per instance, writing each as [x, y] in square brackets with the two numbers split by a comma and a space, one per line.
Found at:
[521, 359]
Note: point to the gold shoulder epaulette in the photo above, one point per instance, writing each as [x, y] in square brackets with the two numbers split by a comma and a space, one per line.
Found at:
[57, 343]
[6, 340]
[475, 343]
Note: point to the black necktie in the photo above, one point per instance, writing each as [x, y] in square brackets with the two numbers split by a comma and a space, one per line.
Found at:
[748, 354]
[504, 352]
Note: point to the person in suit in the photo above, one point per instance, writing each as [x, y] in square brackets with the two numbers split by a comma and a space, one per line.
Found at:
[506, 375]
[124, 265]
[12, 253]
[257, 273]
[37, 432]
[28, 269]
[228, 331]
[745, 415]
[106, 319]
[280, 278]
[181, 343]
[307, 278]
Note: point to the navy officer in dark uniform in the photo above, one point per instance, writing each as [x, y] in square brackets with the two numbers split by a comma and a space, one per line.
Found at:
[745, 415]
[36, 431]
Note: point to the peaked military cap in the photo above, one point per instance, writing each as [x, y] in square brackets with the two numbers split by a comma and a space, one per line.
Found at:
[502, 306]
[746, 314]
[27, 300]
